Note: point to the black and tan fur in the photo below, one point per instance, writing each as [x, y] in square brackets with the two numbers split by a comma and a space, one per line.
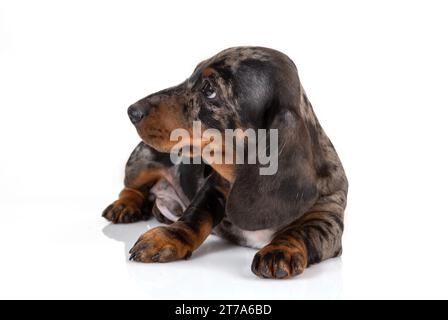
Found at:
[295, 216]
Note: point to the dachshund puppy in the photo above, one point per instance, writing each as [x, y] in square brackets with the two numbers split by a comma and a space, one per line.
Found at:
[295, 216]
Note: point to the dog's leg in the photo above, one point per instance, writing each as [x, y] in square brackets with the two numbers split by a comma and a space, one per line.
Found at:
[143, 169]
[178, 240]
[314, 237]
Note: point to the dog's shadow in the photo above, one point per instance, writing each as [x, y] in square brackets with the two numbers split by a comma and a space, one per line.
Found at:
[126, 233]
[129, 233]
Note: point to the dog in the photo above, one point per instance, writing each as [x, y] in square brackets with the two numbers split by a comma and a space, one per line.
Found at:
[294, 217]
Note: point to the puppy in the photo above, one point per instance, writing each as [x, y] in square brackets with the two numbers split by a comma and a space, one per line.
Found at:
[294, 215]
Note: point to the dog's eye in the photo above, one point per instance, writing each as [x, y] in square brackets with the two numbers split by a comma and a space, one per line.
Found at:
[208, 90]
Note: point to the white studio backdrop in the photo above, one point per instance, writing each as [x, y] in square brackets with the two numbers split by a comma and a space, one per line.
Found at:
[376, 73]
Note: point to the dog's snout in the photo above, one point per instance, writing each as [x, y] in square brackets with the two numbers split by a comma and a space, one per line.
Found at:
[136, 113]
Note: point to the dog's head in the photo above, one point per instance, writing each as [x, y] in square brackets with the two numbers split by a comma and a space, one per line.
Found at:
[240, 87]
[244, 87]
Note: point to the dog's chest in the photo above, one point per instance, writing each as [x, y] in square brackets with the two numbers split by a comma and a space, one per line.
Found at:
[171, 201]
[257, 239]
[254, 239]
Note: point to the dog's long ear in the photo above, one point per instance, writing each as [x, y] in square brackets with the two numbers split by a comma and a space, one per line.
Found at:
[266, 201]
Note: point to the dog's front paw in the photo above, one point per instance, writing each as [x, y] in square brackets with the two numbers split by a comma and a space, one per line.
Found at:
[278, 262]
[124, 211]
[162, 244]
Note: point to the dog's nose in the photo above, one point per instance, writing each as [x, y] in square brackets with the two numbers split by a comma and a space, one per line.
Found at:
[135, 113]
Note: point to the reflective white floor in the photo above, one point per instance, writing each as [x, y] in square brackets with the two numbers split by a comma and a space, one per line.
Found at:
[66, 250]
[58, 251]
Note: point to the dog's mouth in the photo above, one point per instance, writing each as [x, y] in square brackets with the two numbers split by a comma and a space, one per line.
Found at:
[152, 138]
[152, 135]
[156, 138]
[146, 132]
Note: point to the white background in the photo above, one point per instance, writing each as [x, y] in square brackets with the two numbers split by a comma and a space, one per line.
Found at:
[376, 73]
